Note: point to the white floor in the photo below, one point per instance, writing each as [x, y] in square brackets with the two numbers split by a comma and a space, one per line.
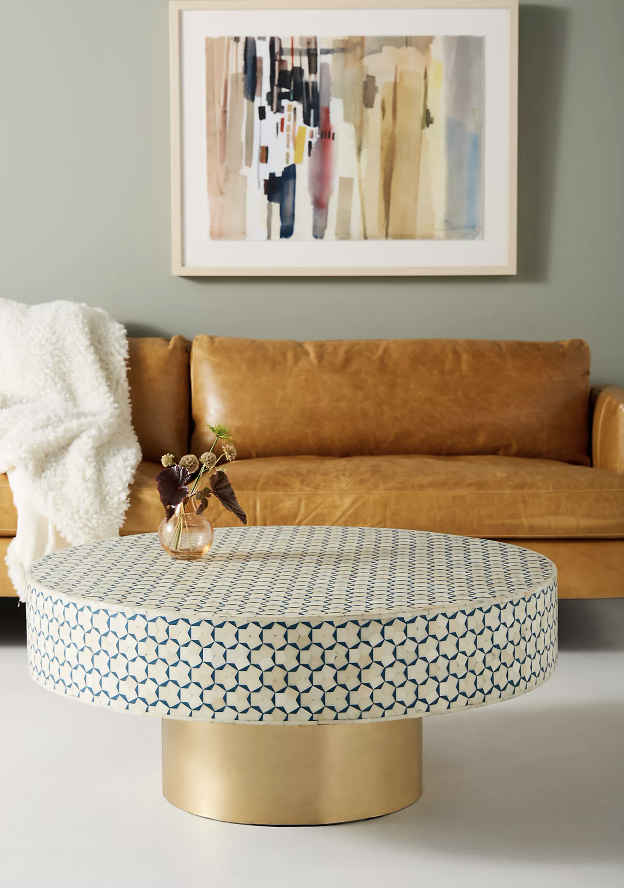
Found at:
[524, 793]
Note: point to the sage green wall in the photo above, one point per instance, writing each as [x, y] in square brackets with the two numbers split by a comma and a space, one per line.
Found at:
[84, 191]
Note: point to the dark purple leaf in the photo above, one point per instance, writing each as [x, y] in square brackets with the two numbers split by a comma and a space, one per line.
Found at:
[224, 492]
[202, 501]
[171, 483]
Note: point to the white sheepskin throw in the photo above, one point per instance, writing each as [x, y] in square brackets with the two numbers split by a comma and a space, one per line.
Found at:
[66, 437]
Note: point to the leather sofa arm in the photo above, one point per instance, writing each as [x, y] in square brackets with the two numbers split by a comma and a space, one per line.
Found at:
[608, 428]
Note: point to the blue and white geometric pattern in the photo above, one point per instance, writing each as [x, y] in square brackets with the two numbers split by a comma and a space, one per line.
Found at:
[294, 624]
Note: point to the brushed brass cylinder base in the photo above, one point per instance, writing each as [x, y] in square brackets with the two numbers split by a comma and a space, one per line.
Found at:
[292, 774]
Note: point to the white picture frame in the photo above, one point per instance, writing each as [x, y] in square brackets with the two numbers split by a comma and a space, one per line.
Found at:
[483, 246]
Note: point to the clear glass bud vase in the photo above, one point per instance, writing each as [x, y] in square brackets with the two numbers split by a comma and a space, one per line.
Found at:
[187, 535]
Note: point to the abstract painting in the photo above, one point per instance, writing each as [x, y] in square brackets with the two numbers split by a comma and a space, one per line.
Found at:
[313, 150]
[345, 137]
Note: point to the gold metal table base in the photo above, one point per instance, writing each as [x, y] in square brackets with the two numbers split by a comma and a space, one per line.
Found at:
[292, 774]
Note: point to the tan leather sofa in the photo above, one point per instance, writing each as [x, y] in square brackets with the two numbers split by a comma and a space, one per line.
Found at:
[503, 440]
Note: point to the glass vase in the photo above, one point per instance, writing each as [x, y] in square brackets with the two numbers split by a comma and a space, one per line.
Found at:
[187, 535]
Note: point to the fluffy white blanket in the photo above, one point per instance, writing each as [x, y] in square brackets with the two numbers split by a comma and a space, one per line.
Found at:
[66, 437]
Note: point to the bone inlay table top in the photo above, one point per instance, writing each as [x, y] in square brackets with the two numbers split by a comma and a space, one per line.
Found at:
[294, 625]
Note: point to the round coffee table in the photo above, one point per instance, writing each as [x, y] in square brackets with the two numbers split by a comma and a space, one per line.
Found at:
[293, 665]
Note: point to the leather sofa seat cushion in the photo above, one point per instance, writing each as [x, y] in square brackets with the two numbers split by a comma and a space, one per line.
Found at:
[442, 397]
[6, 586]
[8, 512]
[489, 496]
[145, 511]
[158, 375]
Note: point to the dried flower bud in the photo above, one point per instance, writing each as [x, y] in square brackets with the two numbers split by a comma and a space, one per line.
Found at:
[230, 452]
[190, 462]
[168, 460]
[208, 459]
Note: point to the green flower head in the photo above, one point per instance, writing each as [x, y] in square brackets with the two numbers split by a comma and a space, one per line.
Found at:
[220, 431]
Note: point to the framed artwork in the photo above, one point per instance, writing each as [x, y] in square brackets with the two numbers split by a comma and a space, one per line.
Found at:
[344, 137]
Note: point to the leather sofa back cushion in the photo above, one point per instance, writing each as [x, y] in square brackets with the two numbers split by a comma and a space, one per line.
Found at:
[345, 398]
[158, 374]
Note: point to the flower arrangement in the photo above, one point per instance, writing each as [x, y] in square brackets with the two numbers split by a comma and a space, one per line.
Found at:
[186, 486]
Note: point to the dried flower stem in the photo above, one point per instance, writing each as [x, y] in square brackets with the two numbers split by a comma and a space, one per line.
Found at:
[203, 468]
[188, 533]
